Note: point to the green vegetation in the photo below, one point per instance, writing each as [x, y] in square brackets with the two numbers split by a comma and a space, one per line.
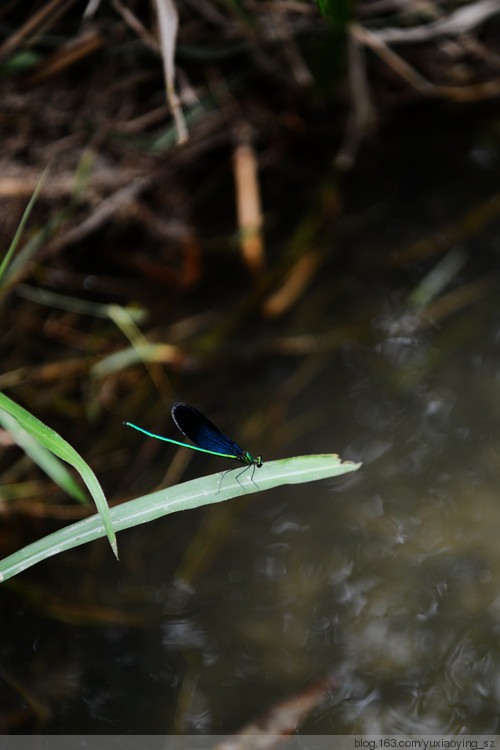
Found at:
[45, 447]
[192, 494]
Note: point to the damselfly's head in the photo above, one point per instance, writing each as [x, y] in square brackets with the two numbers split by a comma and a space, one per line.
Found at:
[246, 458]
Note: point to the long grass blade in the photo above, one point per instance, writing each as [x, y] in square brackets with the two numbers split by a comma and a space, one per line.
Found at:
[57, 445]
[47, 461]
[192, 494]
[15, 241]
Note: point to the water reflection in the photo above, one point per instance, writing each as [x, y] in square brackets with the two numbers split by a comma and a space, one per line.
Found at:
[392, 579]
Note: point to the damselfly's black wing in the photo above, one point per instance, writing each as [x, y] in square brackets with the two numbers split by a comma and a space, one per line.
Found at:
[195, 426]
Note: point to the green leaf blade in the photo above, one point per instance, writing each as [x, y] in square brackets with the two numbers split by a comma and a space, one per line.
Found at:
[195, 493]
[15, 241]
[47, 461]
[49, 438]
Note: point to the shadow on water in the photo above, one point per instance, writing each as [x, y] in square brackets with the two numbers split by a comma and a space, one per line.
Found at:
[390, 578]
